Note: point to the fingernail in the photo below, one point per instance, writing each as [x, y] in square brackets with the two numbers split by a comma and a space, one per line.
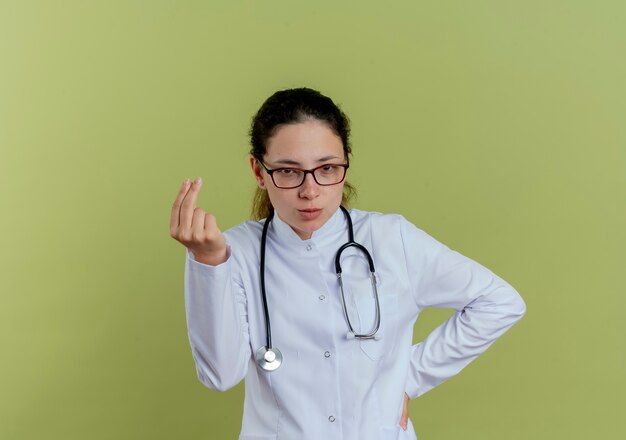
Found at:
[199, 180]
[186, 181]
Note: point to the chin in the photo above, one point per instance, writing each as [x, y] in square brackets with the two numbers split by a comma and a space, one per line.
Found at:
[309, 228]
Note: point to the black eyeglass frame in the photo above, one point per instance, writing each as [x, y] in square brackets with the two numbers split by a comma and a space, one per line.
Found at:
[345, 167]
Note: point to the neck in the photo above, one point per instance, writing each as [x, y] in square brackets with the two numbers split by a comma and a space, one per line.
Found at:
[303, 235]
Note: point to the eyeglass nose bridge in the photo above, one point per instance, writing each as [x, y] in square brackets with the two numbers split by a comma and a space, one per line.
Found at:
[312, 172]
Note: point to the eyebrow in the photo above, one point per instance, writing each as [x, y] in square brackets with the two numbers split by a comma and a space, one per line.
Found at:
[296, 163]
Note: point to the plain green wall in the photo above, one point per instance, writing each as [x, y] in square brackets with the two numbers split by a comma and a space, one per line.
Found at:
[498, 127]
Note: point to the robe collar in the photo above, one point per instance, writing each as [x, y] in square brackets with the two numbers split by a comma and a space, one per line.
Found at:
[333, 232]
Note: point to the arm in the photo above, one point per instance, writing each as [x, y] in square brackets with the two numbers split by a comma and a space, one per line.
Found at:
[215, 302]
[217, 324]
[486, 307]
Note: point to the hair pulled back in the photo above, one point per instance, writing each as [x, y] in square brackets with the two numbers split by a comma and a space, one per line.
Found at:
[292, 106]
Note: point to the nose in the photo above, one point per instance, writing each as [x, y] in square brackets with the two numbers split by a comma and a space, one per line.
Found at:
[309, 188]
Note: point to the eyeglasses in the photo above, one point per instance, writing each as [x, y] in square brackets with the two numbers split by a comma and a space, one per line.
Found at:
[324, 175]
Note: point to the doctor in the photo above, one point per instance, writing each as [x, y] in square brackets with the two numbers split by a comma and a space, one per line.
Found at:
[325, 356]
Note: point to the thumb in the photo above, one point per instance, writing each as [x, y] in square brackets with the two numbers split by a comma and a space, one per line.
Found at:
[404, 419]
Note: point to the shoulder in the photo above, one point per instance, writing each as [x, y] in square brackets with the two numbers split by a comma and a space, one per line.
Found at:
[393, 225]
[244, 233]
[379, 219]
[244, 240]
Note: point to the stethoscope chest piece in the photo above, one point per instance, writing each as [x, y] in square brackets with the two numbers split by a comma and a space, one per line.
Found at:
[269, 359]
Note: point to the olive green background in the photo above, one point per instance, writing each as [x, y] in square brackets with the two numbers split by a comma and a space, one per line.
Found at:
[498, 127]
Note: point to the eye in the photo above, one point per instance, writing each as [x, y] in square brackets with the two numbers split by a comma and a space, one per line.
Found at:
[286, 171]
[329, 168]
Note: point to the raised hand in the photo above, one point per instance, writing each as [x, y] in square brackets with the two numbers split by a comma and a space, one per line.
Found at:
[194, 228]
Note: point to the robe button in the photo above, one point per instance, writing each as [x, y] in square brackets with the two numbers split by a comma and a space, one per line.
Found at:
[331, 419]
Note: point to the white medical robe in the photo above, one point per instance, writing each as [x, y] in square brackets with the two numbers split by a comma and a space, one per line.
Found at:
[330, 387]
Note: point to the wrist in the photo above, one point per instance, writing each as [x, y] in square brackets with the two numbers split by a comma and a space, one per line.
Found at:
[211, 258]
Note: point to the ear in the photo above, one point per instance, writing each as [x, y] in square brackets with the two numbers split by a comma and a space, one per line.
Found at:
[258, 172]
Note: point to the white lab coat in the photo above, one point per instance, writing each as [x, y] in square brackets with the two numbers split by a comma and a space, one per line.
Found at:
[330, 387]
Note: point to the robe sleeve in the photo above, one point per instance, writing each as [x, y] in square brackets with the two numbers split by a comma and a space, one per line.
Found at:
[216, 312]
[486, 307]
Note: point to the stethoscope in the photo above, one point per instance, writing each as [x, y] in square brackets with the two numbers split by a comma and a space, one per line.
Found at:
[270, 358]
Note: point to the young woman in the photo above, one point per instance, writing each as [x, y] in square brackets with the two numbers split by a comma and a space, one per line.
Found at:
[322, 331]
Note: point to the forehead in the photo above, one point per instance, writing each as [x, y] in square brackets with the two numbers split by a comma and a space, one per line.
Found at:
[304, 141]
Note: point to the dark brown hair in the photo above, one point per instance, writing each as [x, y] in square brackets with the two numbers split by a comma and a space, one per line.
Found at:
[292, 106]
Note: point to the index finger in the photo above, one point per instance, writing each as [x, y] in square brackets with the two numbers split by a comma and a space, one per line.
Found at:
[188, 203]
[175, 214]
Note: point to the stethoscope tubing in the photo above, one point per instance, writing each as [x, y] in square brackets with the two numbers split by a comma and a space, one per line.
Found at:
[268, 330]
[270, 358]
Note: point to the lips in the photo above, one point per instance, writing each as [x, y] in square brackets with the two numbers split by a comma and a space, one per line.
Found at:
[309, 213]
